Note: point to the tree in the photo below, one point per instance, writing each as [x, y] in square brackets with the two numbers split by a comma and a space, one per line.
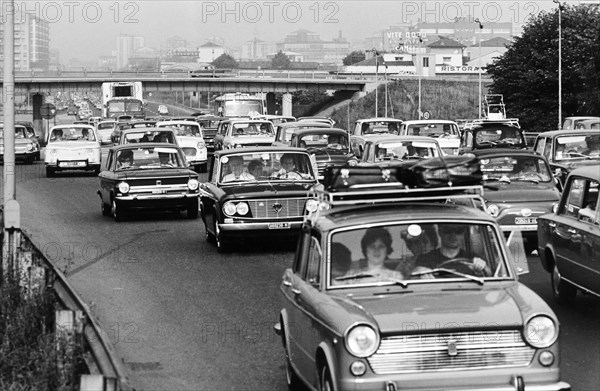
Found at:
[225, 61]
[354, 57]
[281, 61]
[527, 73]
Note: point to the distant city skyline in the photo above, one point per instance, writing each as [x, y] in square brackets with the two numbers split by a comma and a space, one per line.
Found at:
[88, 30]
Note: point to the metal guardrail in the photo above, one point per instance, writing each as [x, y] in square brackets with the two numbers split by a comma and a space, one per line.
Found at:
[105, 367]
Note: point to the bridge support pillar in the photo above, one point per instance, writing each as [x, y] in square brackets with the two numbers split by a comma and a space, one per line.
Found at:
[38, 124]
[286, 104]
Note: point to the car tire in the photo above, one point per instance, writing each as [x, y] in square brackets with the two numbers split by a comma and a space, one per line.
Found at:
[104, 208]
[325, 381]
[117, 210]
[192, 211]
[50, 172]
[563, 291]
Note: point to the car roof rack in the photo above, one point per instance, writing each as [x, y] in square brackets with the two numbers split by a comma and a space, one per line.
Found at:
[504, 121]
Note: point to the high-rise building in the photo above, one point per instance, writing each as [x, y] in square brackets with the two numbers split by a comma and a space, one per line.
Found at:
[127, 46]
[32, 42]
[314, 49]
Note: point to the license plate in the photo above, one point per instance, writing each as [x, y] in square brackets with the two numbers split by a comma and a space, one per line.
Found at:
[279, 225]
[159, 191]
[525, 220]
[72, 164]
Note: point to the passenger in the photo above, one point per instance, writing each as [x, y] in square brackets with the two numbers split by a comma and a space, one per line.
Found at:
[236, 165]
[451, 248]
[125, 159]
[165, 158]
[255, 168]
[58, 135]
[529, 170]
[446, 130]
[288, 168]
[593, 146]
[392, 128]
[341, 260]
[163, 137]
[376, 246]
[416, 131]
[365, 129]
[418, 246]
[85, 134]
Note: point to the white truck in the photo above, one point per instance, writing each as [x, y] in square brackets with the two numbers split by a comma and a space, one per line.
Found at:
[122, 98]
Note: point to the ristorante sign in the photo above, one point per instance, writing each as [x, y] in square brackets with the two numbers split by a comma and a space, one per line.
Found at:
[464, 69]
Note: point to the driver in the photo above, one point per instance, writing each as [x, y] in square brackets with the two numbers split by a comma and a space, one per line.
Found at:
[288, 168]
[452, 241]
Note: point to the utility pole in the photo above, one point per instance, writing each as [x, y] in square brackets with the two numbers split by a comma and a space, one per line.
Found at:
[480, 31]
[559, 63]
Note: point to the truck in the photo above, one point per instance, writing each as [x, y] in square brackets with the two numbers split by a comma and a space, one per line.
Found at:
[123, 98]
[240, 105]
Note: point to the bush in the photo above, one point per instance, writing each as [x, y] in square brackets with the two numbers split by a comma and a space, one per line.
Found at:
[30, 356]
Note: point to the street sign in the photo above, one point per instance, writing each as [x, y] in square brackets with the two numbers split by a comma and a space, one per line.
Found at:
[426, 115]
[48, 111]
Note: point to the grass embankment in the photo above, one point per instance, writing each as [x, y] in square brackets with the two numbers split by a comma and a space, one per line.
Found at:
[441, 98]
[31, 356]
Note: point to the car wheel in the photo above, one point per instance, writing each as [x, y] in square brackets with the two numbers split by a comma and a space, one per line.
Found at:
[564, 292]
[104, 208]
[325, 382]
[50, 172]
[221, 243]
[117, 211]
[192, 211]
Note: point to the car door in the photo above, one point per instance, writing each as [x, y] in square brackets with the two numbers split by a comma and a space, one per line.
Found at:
[220, 135]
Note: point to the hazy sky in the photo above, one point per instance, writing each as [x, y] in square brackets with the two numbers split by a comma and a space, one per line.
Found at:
[88, 29]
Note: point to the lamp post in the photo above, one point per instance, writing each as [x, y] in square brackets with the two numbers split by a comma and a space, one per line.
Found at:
[559, 63]
[480, 28]
[419, 71]
[376, 54]
[386, 90]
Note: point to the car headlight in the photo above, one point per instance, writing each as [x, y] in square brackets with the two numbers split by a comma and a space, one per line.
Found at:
[541, 331]
[311, 205]
[362, 341]
[493, 210]
[193, 184]
[352, 162]
[29, 147]
[237, 145]
[201, 145]
[123, 187]
[229, 208]
[242, 208]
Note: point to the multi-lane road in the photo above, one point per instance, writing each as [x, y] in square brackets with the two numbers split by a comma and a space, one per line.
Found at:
[183, 317]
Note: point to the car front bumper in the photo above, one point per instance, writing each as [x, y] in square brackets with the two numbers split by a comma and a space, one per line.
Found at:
[158, 201]
[271, 228]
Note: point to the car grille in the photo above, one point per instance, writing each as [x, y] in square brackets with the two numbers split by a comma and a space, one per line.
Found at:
[189, 151]
[451, 351]
[266, 209]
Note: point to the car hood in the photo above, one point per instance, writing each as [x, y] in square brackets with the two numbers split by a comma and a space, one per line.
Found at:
[521, 191]
[264, 189]
[156, 173]
[252, 139]
[73, 145]
[459, 308]
[189, 141]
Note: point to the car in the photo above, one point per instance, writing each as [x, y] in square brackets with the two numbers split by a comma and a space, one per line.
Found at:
[569, 238]
[163, 110]
[276, 119]
[32, 134]
[209, 124]
[568, 149]
[356, 314]
[326, 120]
[387, 147]
[72, 147]
[150, 134]
[368, 127]
[237, 133]
[147, 176]
[249, 194]
[589, 124]
[574, 122]
[93, 120]
[84, 114]
[521, 188]
[26, 149]
[444, 131]
[136, 124]
[486, 134]
[190, 139]
[283, 132]
[105, 130]
[327, 146]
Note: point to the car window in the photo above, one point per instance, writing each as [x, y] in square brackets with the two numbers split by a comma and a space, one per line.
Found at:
[575, 197]
[583, 200]
[314, 261]
[404, 150]
[514, 168]
[264, 166]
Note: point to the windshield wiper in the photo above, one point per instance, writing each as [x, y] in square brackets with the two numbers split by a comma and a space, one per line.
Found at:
[357, 275]
[449, 271]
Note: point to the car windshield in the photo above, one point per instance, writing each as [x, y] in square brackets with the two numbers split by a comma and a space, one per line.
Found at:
[72, 134]
[242, 129]
[185, 130]
[402, 150]
[501, 136]
[515, 168]
[577, 147]
[325, 143]
[265, 166]
[436, 130]
[106, 125]
[149, 158]
[380, 127]
[146, 136]
[423, 252]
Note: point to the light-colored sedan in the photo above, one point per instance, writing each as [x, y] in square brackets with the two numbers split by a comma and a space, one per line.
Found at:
[105, 130]
[72, 147]
[191, 140]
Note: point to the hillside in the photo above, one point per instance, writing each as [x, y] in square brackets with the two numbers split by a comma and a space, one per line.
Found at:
[441, 98]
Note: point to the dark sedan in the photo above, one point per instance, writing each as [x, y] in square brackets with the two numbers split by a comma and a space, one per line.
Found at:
[147, 176]
[520, 188]
[255, 190]
[569, 238]
[492, 134]
[329, 146]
